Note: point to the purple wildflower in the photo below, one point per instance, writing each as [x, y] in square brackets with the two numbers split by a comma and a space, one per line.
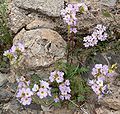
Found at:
[52, 76]
[44, 84]
[67, 82]
[21, 93]
[21, 47]
[96, 88]
[13, 49]
[65, 90]
[56, 76]
[94, 71]
[42, 93]
[74, 30]
[98, 34]
[56, 99]
[67, 97]
[35, 88]
[91, 82]
[100, 84]
[28, 92]
[21, 85]
[104, 69]
[26, 100]
[62, 97]
[69, 16]
[14, 53]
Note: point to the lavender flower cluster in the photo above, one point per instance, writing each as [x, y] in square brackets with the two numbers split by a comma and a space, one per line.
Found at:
[14, 52]
[64, 86]
[24, 93]
[100, 84]
[43, 89]
[69, 15]
[98, 34]
[65, 90]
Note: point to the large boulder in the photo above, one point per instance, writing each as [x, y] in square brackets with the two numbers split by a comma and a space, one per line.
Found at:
[43, 46]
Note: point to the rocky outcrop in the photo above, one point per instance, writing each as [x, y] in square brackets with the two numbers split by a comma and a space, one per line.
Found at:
[24, 12]
[45, 12]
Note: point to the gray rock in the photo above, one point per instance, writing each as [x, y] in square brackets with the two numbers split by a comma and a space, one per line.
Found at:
[114, 58]
[17, 18]
[108, 58]
[40, 24]
[112, 101]
[103, 110]
[3, 79]
[14, 107]
[5, 95]
[49, 7]
[21, 18]
[109, 2]
[43, 46]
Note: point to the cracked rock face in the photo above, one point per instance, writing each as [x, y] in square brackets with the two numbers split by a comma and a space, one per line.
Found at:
[104, 110]
[3, 79]
[23, 12]
[113, 101]
[48, 7]
[41, 24]
[17, 19]
[43, 46]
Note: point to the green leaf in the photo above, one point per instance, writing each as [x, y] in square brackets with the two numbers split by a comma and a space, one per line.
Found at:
[83, 70]
[80, 98]
[106, 13]
[81, 10]
[55, 90]
[57, 105]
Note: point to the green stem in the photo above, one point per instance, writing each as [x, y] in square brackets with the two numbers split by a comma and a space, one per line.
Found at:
[74, 103]
[68, 43]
